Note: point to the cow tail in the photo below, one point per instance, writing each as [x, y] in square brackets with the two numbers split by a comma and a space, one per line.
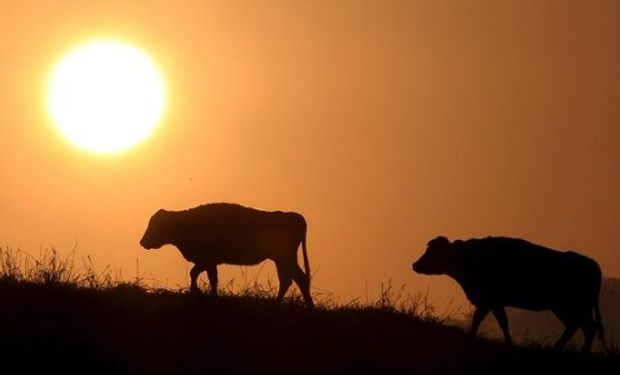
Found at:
[305, 253]
[601, 329]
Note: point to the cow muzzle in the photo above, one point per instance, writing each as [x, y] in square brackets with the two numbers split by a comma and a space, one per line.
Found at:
[414, 266]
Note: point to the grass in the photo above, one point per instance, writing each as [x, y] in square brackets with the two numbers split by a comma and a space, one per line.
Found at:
[59, 314]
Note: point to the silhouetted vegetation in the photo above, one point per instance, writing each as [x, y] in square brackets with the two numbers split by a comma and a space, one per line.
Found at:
[60, 315]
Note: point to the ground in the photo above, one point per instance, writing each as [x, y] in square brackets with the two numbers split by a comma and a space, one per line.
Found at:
[60, 328]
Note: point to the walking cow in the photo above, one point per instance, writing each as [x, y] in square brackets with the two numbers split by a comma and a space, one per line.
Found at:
[496, 272]
[218, 233]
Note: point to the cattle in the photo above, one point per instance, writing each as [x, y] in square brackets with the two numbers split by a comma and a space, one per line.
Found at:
[496, 272]
[226, 233]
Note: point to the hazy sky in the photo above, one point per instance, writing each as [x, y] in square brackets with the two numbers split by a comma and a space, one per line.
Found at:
[385, 123]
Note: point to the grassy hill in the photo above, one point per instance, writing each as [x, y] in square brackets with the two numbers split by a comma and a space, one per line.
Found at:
[51, 321]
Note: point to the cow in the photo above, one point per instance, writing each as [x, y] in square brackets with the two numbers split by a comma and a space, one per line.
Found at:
[226, 233]
[496, 272]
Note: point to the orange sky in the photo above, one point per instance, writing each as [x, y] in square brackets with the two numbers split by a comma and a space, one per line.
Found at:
[385, 123]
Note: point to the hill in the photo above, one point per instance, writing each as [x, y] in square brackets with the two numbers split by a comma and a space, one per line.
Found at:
[127, 329]
[56, 319]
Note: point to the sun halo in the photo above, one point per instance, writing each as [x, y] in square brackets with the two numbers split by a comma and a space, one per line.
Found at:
[105, 96]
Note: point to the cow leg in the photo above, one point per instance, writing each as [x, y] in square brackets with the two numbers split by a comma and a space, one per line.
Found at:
[212, 274]
[193, 274]
[302, 282]
[571, 322]
[502, 319]
[477, 318]
[589, 329]
[285, 278]
[568, 333]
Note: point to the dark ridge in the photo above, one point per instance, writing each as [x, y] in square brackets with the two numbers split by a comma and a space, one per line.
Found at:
[59, 328]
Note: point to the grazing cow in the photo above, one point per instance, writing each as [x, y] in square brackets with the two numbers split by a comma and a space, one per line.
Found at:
[496, 272]
[218, 233]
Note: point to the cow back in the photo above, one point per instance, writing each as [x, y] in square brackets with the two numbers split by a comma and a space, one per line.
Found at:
[513, 272]
[230, 233]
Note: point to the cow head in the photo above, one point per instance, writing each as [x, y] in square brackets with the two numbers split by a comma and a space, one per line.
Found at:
[157, 233]
[437, 259]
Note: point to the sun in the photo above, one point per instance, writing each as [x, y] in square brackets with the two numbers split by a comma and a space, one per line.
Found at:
[105, 96]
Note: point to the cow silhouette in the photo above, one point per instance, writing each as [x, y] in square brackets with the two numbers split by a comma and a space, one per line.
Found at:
[225, 233]
[495, 272]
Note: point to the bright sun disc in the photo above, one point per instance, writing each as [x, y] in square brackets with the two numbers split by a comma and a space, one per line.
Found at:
[105, 96]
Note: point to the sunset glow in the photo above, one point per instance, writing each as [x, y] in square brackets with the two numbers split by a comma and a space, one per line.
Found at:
[289, 154]
[105, 96]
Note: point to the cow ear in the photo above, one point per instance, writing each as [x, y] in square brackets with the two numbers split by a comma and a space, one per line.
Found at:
[442, 240]
[439, 242]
